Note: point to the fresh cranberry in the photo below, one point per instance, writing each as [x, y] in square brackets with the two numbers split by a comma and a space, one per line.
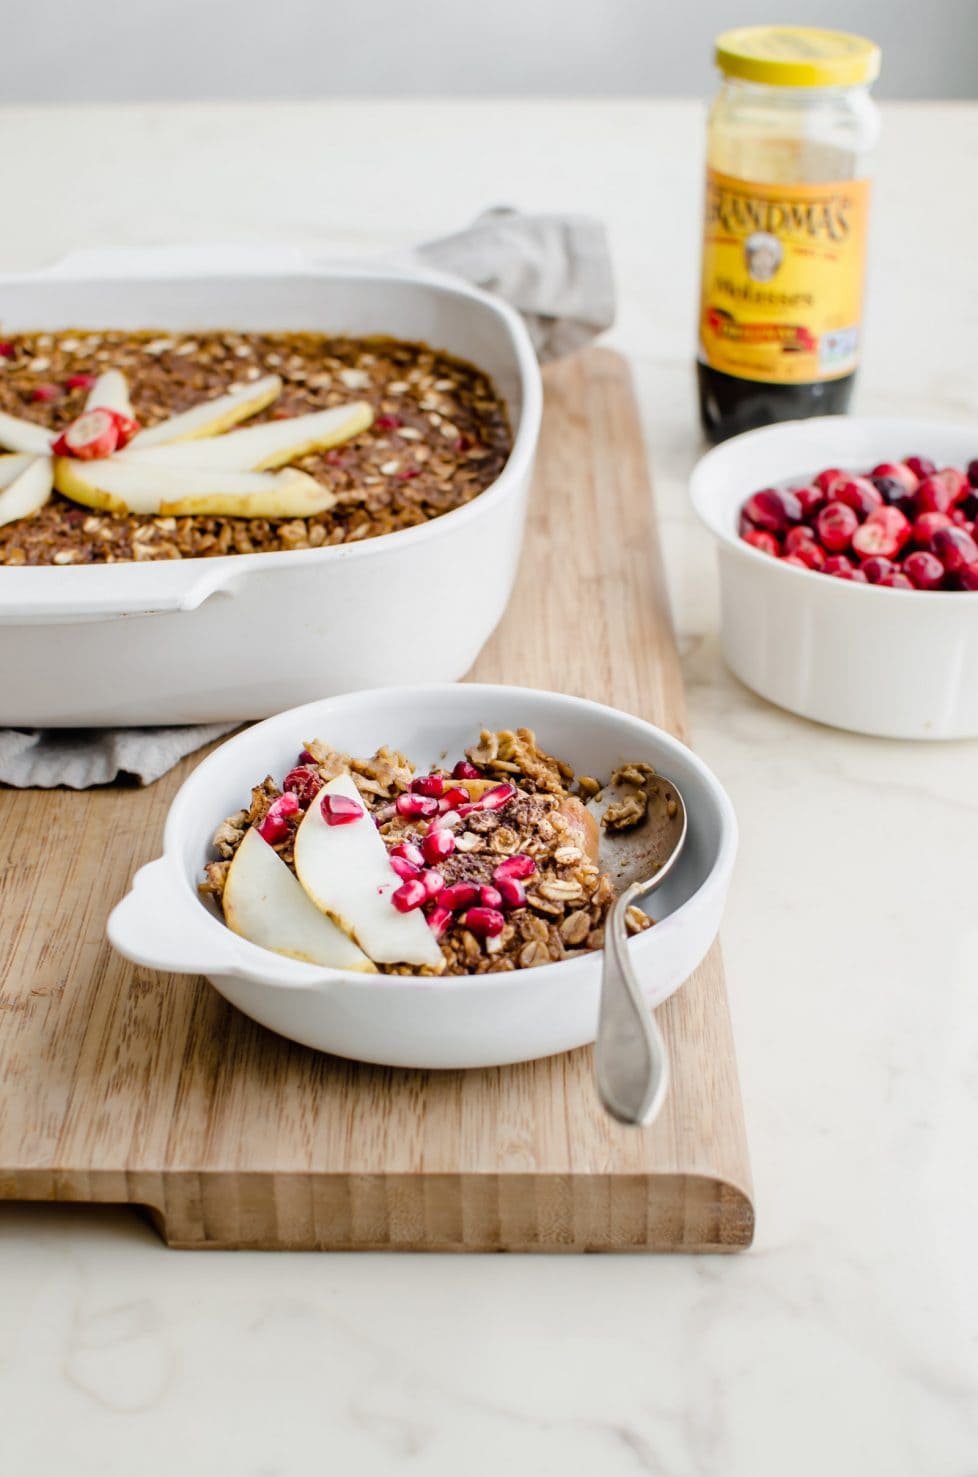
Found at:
[895, 494]
[933, 496]
[304, 782]
[967, 578]
[924, 571]
[885, 531]
[810, 499]
[895, 472]
[969, 506]
[7, 350]
[837, 564]
[485, 922]
[859, 494]
[438, 845]
[765, 542]
[403, 868]
[855, 576]
[825, 479]
[877, 567]
[466, 771]
[458, 896]
[415, 807]
[973, 472]
[960, 518]
[802, 534]
[811, 554]
[896, 581]
[927, 525]
[409, 895]
[774, 509]
[275, 825]
[920, 466]
[835, 526]
[408, 852]
[956, 482]
[512, 892]
[340, 810]
[46, 393]
[794, 561]
[518, 866]
[954, 548]
[428, 784]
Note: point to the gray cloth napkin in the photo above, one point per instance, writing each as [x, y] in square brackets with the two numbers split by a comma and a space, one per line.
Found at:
[555, 270]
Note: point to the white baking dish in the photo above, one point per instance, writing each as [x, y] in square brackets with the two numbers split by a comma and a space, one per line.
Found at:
[206, 640]
[893, 663]
[467, 1021]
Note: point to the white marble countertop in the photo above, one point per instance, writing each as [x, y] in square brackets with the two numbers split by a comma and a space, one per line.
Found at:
[846, 1341]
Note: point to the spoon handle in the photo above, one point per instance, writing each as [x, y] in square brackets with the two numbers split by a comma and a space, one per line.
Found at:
[630, 1059]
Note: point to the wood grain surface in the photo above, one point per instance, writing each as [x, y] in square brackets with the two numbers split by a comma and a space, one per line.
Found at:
[118, 1084]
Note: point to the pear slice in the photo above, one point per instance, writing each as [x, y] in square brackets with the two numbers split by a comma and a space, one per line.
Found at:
[110, 392]
[272, 444]
[12, 465]
[21, 435]
[28, 491]
[119, 484]
[347, 873]
[213, 417]
[265, 904]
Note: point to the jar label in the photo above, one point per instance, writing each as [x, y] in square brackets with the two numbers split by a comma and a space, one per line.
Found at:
[782, 278]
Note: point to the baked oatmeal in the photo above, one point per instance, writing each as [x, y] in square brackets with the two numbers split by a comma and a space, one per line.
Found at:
[497, 856]
[439, 435]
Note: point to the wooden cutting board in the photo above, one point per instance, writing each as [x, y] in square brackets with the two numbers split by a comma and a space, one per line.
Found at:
[118, 1084]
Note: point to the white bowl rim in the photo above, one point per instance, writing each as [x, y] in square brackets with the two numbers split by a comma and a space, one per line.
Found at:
[707, 513]
[264, 963]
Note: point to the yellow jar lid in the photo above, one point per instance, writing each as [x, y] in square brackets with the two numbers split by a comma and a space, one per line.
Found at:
[797, 56]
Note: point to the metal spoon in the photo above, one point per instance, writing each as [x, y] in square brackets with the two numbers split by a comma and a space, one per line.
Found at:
[630, 1059]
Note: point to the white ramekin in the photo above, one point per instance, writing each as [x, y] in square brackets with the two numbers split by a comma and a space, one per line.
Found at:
[478, 1021]
[241, 636]
[893, 663]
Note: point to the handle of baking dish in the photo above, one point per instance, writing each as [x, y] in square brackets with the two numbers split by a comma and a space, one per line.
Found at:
[162, 587]
[161, 925]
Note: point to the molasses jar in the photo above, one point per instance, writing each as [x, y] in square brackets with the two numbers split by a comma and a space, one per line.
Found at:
[790, 134]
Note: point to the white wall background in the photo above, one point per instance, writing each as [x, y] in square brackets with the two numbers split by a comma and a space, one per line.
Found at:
[112, 50]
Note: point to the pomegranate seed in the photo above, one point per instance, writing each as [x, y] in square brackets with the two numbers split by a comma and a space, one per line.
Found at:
[453, 798]
[496, 798]
[409, 895]
[407, 473]
[275, 825]
[125, 426]
[513, 893]
[857, 493]
[825, 479]
[438, 845]
[334, 458]
[466, 771]
[773, 509]
[835, 526]
[967, 578]
[80, 381]
[434, 882]
[518, 866]
[927, 525]
[438, 920]
[305, 757]
[876, 567]
[972, 472]
[90, 437]
[490, 897]
[428, 784]
[416, 806]
[404, 869]
[895, 581]
[304, 782]
[458, 896]
[7, 350]
[387, 422]
[837, 564]
[811, 499]
[933, 496]
[920, 466]
[896, 472]
[924, 571]
[46, 393]
[408, 852]
[340, 810]
[954, 548]
[765, 542]
[485, 922]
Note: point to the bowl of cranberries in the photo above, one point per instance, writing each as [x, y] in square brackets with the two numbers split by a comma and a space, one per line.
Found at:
[848, 553]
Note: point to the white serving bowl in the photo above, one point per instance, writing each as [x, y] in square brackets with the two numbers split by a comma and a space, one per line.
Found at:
[477, 1021]
[240, 636]
[893, 663]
